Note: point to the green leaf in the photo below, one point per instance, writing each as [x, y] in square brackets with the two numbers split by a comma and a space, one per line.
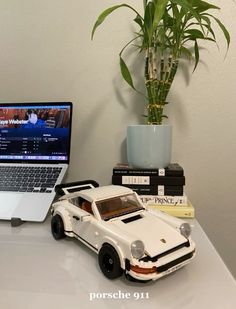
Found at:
[168, 20]
[208, 25]
[139, 21]
[159, 12]
[102, 17]
[188, 9]
[148, 20]
[107, 12]
[196, 51]
[176, 13]
[195, 33]
[126, 73]
[224, 30]
[202, 6]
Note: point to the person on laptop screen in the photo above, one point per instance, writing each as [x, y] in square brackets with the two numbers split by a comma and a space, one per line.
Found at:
[46, 124]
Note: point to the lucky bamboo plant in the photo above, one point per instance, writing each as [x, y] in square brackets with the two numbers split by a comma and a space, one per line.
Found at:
[167, 31]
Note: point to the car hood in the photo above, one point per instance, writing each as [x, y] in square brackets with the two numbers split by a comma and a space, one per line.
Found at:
[157, 235]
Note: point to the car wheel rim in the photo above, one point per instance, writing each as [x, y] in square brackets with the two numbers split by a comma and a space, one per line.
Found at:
[108, 262]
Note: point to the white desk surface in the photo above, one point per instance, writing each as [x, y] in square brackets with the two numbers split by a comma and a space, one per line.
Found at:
[37, 271]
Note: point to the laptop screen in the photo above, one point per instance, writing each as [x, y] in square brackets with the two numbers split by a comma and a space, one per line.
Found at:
[35, 132]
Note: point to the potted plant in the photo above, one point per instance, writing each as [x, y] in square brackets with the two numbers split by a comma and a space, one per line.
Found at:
[168, 30]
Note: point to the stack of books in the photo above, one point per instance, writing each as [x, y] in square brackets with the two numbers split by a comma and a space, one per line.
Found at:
[161, 189]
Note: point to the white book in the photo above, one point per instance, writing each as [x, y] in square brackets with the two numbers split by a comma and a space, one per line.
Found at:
[164, 200]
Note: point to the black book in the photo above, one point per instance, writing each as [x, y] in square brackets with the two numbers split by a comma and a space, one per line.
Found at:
[173, 169]
[148, 180]
[157, 190]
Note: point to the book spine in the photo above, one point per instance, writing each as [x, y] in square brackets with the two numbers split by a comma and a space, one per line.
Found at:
[126, 171]
[180, 212]
[172, 170]
[164, 200]
[157, 190]
[148, 180]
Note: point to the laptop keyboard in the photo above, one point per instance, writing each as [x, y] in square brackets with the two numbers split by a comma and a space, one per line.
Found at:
[28, 179]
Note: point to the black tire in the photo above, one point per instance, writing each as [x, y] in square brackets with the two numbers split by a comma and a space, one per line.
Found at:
[109, 262]
[57, 227]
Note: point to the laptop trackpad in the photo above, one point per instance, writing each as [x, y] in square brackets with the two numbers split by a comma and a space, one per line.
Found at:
[8, 204]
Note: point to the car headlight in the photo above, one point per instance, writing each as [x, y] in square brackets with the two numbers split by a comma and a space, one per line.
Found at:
[185, 229]
[137, 249]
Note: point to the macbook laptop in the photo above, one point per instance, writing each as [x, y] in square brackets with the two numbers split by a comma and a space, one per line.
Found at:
[34, 156]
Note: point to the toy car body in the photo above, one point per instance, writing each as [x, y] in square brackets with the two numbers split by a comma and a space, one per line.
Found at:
[127, 237]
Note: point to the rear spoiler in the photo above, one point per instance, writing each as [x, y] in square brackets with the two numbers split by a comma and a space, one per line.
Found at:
[76, 186]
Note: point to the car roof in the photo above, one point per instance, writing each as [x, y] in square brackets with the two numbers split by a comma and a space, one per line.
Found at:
[99, 193]
[105, 192]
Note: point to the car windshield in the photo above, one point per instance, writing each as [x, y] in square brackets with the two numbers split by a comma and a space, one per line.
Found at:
[118, 206]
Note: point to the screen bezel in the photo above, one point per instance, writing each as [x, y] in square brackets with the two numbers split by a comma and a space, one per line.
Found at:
[69, 104]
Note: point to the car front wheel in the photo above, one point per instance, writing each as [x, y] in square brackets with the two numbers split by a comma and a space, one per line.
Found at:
[57, 227]
[109, 262]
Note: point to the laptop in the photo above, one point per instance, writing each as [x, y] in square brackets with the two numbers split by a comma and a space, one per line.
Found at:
[34, 156]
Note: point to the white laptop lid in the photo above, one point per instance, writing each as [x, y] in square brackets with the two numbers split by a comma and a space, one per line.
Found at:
[32, 134]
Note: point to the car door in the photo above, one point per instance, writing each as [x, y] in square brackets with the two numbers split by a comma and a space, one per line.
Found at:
[84, 222]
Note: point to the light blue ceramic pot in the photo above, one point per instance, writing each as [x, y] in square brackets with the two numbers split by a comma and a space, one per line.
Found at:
[149, 146]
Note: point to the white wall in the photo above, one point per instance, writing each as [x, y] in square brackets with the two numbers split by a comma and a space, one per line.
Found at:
[46, 54]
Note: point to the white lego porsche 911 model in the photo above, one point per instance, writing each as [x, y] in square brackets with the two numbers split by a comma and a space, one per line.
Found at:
[128, 238]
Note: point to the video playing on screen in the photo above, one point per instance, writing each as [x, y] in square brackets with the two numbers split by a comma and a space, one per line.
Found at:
[34, 132]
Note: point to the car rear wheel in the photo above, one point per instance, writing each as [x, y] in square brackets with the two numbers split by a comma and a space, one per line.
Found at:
[109, 262]
[57, 227]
